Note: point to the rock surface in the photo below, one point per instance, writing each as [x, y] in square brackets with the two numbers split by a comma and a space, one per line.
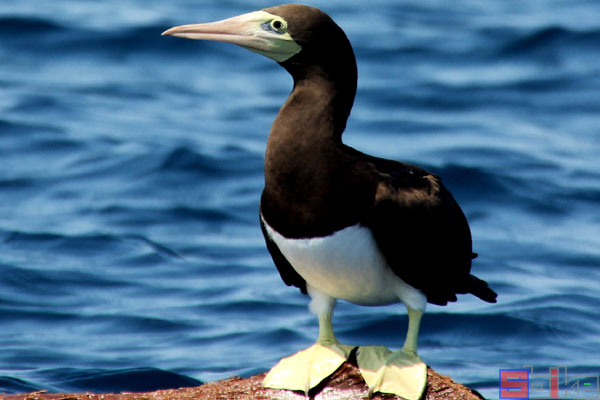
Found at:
[346, 384]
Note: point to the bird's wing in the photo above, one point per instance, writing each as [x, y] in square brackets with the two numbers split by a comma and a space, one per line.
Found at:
[423, 234]
[288, 274]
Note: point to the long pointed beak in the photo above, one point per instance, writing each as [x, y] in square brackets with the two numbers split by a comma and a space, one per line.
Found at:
[237, 30]
[246, 30]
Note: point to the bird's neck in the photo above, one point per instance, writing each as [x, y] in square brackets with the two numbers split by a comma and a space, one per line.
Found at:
[323, 95]
[316, 111]
[305, 164]
[300, 161]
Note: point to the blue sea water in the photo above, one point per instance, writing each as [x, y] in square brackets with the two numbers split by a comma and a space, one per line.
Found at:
[131, 169]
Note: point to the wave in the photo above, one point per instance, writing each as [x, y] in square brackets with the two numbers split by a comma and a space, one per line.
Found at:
[15, 385]
[452, 327]
[30, 35]
[545, 41]
[9, 127]
[79, 245]
[227, 162]
[16, 25]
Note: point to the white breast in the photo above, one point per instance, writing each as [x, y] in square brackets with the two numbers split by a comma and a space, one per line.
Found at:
[347, 265]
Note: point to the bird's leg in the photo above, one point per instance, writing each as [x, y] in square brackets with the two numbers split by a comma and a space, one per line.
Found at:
[307, 368]
[327, 337]
[322, 305]
[326, 334]
[401, 372]
[414, 323]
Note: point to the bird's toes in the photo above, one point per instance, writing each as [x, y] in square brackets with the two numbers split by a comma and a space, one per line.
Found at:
[307, 368]
[400, 372]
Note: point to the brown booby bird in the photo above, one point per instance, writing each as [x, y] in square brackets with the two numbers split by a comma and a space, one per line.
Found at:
[341, 224]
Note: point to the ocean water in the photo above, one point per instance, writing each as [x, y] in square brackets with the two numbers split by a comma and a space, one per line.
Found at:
[131, 169]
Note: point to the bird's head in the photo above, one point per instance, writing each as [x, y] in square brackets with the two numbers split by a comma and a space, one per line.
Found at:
[279, 33]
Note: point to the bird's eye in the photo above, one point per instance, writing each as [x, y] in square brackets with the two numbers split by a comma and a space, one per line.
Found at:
[278, 25]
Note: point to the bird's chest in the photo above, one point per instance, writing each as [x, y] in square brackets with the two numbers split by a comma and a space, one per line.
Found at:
[315, 204]
[345, 265]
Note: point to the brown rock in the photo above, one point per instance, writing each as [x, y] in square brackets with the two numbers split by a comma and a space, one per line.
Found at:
[346, 384]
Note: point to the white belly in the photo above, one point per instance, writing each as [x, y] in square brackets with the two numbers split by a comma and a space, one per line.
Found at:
[348, 265]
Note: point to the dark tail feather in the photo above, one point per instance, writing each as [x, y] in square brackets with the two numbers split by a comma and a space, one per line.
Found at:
[481, 289]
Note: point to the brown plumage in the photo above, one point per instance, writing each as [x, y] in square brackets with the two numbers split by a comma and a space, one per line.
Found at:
[315, 185]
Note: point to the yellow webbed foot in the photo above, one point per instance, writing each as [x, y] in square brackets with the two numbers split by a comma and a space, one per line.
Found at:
[402, 373]
[307, 368]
